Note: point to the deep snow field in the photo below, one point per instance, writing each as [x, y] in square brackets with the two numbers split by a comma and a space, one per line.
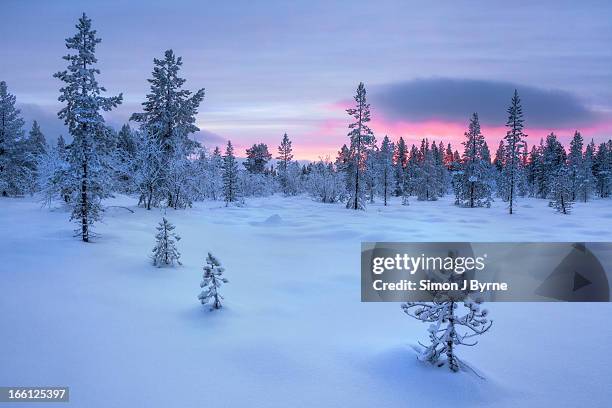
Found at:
[119, 332]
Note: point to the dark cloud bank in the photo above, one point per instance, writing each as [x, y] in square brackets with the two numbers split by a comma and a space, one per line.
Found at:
[455, 99]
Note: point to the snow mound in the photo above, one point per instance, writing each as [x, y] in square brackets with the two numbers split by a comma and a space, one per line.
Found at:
[273, 220]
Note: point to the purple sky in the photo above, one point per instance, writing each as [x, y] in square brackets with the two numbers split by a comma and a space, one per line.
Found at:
[276, 66]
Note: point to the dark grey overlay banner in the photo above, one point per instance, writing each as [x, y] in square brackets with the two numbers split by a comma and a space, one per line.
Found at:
[489, 271]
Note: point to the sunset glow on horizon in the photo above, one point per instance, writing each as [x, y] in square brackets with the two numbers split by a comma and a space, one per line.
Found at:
[325, 141]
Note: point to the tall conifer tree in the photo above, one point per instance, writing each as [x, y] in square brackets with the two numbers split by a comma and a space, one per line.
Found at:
[512, 158]
[230, 175]
[92, 143]
[285, 155]
[362, 139]
[168, 117]
[472, 184]
[386, 169]
[14, 170]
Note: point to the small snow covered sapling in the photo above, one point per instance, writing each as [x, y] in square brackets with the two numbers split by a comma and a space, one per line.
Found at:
[165, 252]
[211, 282]
[448, 328]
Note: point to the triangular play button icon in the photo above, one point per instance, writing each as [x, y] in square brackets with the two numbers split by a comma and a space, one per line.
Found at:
[580, 281]
[567, 284]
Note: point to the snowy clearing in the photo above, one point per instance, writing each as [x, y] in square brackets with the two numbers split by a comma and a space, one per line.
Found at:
[102, 320]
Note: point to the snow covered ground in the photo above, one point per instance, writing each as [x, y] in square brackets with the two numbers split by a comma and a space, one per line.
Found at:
[119, 332]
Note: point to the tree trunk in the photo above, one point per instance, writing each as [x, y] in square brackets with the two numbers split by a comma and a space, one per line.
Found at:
[450, 354]
[471, 194]
[166, 260]
[149, 197]
[356, 207]
[385, 191]
[84, 224]
[563, 205]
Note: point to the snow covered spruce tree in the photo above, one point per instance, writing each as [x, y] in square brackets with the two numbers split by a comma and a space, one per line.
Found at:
[580, 168]
[576, 163]
[448, 157]
[36, 140]
[91, 148]
[212, 179]
[511, 169]
[230, 175]
[36, 148]
[410, 174]
[429, 175]
[125, 157]
[500, 155]
[400, 162]
[602, 169]
[258, 180]
[486, 154]
[168, 117]
[53, 174]
[211, 282]
[362, 138]
[165, 251]
[257, 157]
[342, 159]
[531, 169]
[341, 166]
[561, 190]
[370, 173]
[146, 169]
[540, 171]
[386, 171]
[472, 182]
[449, 328]
[553, 159]
[285, 155]
[587, 185]
[16, 161]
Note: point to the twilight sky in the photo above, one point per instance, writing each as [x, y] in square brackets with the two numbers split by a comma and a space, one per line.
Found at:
[292, 66]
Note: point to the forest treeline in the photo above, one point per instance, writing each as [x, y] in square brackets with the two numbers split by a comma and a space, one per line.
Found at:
[155, 158]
